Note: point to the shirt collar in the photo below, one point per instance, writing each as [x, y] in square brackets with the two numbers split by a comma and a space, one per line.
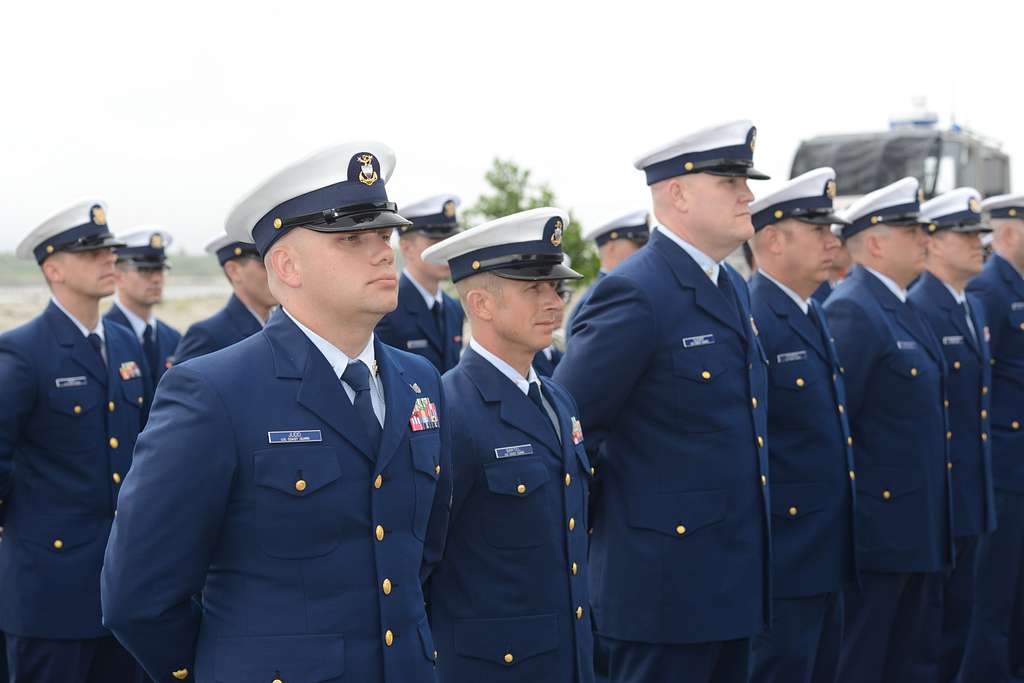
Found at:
[335, 356]
[523, 383]
[803, 304]
[261, 321]
[428, 298]
[959, 297]
[137, 323]
[81, 328]
[897, 291]
[706, 263]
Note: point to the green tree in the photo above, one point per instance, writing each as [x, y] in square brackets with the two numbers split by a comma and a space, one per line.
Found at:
[511, 191]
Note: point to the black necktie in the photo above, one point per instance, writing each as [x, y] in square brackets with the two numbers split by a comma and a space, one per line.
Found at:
[814, 313]
[97, 344]
[357, 376]
[534, 394]
[149, 349]
[725, 285]
[970, 323]
[438, 312]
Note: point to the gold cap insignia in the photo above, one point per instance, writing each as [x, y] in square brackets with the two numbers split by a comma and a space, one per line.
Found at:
[99, 216]
[449, 209]
[974, 205]
[753, 139]
[830, 189]
[556, 236]
[156, 241]
[367, 176]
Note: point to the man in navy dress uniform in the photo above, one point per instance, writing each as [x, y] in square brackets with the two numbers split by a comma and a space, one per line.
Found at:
[141, 265]
[894, 372]
[427, 321]
[74, 391]
[840, 268]
[1000, 290]
[953, 221]
[547, 359]
[509, 601]
[299, 481]
[245, 313]
[811, 460]
[616, 241]
[665, 361]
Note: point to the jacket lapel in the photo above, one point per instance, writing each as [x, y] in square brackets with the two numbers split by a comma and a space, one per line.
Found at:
[706, 294]
[568, 450]
[320, 390]
[69, 336]
[907, 316]
[798, 321]
[415, 306]
[515, 408]
[400, 399]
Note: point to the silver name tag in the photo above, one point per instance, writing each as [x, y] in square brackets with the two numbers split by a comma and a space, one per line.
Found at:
[790, 357]
[65, 382]
[416, 344]
[955, 340]
[295, 436]
[513, 451]
[699, 340]
[1017, 306]
[904, 345]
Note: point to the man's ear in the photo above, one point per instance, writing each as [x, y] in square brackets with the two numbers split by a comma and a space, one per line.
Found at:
[679, 193]
[480, 303]
[231, 270]
[873, 243]
[52, 270]
[283, 265]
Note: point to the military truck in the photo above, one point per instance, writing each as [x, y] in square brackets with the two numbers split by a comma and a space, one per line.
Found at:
[913, 146]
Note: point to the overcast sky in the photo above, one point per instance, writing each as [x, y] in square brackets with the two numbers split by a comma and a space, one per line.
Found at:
[170, 112]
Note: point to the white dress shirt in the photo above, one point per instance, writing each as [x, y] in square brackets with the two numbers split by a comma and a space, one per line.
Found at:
[523, 383]
[706, 263]
[137, 323]
[85, 330]
[428, 298]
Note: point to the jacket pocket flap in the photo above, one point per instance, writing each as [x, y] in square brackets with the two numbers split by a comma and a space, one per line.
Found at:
[506, 641]
[310, 659]
[427, 639]
[886, 483]
[426, 453]
[677, 514]
[296, 470]
[908, 364]
[133, 390]
[581, 455]
[793, 375]
[516, 477]
[794, 501]
[697, 365]
[73, 400]
[56, 533]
